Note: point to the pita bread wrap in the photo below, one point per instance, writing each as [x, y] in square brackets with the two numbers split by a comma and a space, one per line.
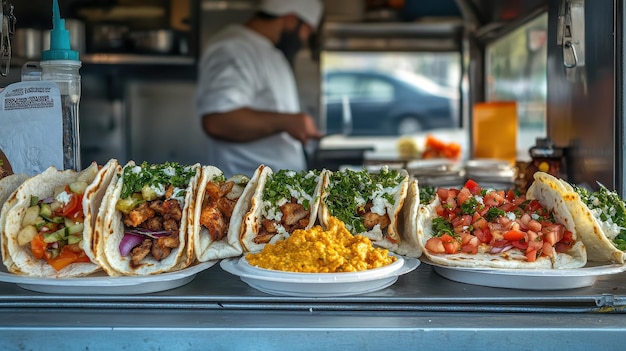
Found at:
[219, 209]
[53, 226]
[599, 217]
[491, 229]
[148, 220]
[281, 203]
[370, 204]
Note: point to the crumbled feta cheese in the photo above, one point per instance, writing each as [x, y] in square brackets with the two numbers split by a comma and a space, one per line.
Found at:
[63, 197]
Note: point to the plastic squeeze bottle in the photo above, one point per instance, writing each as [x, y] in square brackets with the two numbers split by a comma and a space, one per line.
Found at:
[61, 64]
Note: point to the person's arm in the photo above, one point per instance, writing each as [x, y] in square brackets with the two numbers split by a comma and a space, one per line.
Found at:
[244, 124]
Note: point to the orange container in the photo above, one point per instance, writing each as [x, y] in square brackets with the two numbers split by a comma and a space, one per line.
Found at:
[494, 130]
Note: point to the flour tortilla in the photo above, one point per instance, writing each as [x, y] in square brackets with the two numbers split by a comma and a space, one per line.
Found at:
[511, 259]
[8, 185]
[205, 247]
[18, 259]
[407, 226]
[92, 204]
[111, 231]
[589, 228]
[252, 219]
[391, 237]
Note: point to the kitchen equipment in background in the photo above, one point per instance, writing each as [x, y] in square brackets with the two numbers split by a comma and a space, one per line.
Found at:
[27, 43]
[494, 130]
[155, 41]
[109, 37]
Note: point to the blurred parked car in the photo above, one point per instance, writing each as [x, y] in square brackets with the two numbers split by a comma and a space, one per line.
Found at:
[381, 103]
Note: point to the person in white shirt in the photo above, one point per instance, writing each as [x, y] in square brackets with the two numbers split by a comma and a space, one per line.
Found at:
[247, 95]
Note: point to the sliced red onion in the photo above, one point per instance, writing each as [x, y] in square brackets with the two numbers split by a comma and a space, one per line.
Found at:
[48, 200]
[495, 250]
[151, 233]
[129, 241]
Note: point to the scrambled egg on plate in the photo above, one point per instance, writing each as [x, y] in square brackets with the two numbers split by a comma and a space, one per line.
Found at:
[318, 251]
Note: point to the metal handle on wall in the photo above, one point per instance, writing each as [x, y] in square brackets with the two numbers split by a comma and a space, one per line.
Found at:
[571, 37]
[569, 49]
[7, 28]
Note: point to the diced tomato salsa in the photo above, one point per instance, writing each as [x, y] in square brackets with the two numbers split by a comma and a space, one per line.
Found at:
[472, 220]
[60, 254]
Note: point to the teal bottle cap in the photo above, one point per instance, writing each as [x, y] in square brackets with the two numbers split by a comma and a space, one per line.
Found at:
[59, 39]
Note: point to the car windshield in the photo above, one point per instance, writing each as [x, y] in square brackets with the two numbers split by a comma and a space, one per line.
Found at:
[389, 94]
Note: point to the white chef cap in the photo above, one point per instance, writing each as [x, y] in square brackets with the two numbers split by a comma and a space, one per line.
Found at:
[310, 11]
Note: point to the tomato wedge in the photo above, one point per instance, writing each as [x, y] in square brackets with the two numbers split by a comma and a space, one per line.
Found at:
[63, 259]
[38, 246]
[472, 186]
[73, 206]
[514, 235]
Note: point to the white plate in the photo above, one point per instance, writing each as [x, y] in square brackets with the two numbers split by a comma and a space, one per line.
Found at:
[318, 284]
[527, 279]
[102, 284]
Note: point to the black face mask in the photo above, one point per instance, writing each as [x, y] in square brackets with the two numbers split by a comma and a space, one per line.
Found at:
[289, 43]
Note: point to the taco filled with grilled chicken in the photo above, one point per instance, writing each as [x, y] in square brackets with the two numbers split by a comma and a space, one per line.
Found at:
[44, 230]
[599, 217]
[488, 228]
[218, 213]
[282, 202]
[370, 204]
[146, 226]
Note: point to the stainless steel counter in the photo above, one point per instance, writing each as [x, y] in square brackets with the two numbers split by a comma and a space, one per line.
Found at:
[422, 310]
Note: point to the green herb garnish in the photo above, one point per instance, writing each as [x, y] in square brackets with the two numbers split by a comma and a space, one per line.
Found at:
[284, 184]
[441, 226]
[427, 194]
[169, 173]
[470, 206]
[493, 213]
[349, 191]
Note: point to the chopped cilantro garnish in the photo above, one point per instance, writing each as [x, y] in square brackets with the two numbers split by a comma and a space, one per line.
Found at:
[470, 206]
[494, 213]
[169, 173]
[441, 226]
[349, 191]
[611, 208]
[285, 183]
[427, 194]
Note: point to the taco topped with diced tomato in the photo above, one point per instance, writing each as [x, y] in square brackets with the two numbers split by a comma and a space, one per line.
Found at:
[599, 217]
[148, 219]
[488, 228]
[43, 232]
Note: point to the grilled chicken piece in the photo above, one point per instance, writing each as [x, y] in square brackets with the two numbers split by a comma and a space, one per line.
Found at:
[160, 252]
[138, 215]
[140, 252]
[154, 224]
[226, 206]
[162, 247]
[371, 219]
[212, 219]
[268, 226]
[170, 224]
[263, 238]
[301, 224]
[292, 213]
[225, 188]
[168, 208]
